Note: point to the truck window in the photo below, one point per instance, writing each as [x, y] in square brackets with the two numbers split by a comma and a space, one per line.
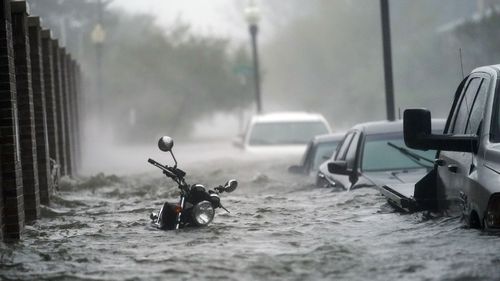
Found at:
[476, 114]
[461, 115]
[343, 147]
[351, 152]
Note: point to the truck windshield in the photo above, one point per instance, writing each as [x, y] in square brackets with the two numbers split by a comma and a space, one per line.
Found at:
[379, 156]
[285, 133]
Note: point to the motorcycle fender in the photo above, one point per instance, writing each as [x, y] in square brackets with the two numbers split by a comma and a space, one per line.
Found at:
[167, 216]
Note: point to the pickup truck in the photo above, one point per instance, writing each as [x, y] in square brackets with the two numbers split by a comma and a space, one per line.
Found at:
[465, 179]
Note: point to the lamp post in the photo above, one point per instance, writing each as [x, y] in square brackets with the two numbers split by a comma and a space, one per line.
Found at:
[386, 44]
[98, 36]
[252, 16]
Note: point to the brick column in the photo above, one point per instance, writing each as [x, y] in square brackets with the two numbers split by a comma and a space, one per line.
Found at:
[66, 99]
[61, 132]
[1, 193]
[50, 106]
[42, 141]
[73, 111]
[78, 113]
[26, 113]
[13, 207]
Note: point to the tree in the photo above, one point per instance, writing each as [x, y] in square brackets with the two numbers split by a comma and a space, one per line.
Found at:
[155, 81]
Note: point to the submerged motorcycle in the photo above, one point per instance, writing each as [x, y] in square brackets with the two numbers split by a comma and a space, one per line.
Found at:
[196, 205]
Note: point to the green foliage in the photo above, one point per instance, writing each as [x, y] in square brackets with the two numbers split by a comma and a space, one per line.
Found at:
[169, 78]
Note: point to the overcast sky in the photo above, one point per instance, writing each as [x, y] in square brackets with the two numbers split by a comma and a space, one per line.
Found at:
[220, 17]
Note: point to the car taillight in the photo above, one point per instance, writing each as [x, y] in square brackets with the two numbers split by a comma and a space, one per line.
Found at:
[493, 212]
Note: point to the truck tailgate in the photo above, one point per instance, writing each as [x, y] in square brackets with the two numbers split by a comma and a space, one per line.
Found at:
[400, 196]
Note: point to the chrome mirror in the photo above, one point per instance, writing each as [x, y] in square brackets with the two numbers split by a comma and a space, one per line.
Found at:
[165, 143]
[230, 186]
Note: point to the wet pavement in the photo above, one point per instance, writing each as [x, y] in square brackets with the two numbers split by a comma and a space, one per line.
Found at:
[280, 228]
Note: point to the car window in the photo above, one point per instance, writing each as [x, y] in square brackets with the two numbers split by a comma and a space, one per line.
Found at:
[344, 146]
[378, 155]
[307, 154]
[351, 152]
[476, 114]
[463, 110]
[285, 133]
[323, 152]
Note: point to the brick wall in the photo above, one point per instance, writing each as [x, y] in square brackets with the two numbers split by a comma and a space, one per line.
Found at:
[74, 113]
[39, 116]
[12, 188]
[78, 109]
[42, 142]
[26, 112]
[61, 124]
[1, 194]
[66, 100]
[50, 103]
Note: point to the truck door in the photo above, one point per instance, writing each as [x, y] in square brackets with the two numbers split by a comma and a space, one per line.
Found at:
[455, 169]
[345, 153]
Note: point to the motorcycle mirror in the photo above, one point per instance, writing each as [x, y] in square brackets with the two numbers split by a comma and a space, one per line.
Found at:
[165, 143]
[230, 186]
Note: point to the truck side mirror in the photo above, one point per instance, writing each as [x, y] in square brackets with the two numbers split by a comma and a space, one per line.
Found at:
[417, 127]
[418, 134]
[338, 167]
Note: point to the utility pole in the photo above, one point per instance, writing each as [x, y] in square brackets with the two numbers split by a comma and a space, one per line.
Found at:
[386, 42]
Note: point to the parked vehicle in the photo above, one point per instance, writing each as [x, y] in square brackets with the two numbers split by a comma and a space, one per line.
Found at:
[372, 154]
[319, 149]
[282, 132]
[196, 205]
[466, 174]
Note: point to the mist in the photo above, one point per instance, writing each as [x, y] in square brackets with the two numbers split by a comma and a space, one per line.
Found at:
[167, 168]
[317, 56]
[330, 59]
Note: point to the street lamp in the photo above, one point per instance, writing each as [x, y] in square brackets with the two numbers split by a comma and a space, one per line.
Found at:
[98, 36]
[252, 16]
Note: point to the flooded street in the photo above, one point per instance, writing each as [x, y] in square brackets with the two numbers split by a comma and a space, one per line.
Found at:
[89, 89]
[280, 228]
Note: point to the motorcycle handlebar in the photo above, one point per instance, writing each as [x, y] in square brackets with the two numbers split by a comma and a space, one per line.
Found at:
[151, 161]
[165, 169]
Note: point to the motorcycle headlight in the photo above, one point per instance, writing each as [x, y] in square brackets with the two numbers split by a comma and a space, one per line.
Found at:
[493, 212]
[203, 213]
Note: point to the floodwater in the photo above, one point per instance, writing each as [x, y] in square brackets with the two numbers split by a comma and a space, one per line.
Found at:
[280, 228]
